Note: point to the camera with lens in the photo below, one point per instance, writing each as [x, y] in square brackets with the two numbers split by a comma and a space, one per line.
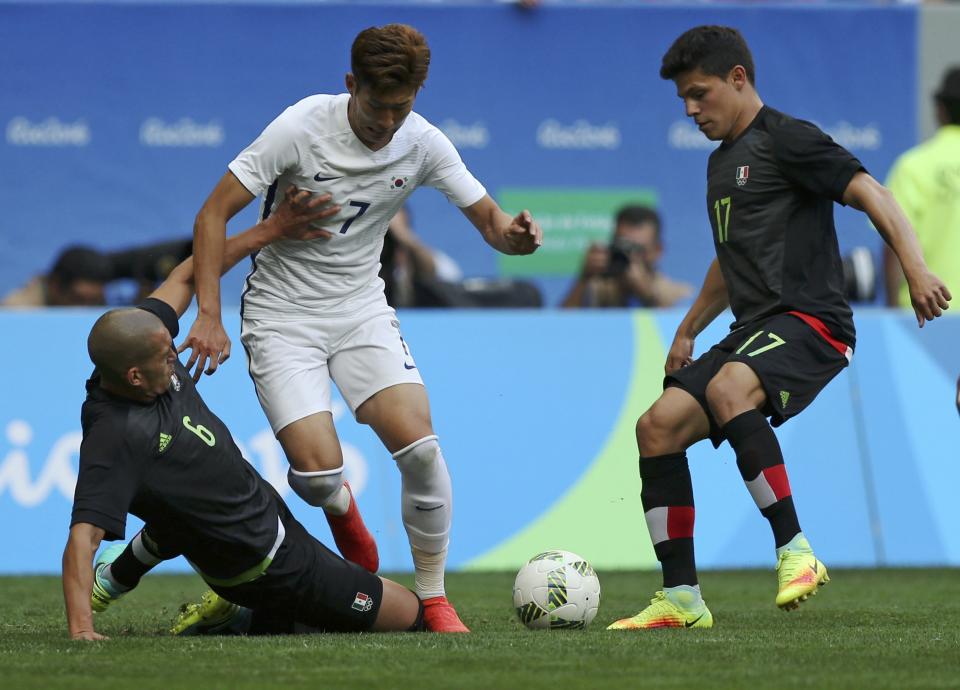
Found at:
[621, 250]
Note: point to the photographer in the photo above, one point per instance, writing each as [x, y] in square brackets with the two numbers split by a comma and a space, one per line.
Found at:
[624, 273]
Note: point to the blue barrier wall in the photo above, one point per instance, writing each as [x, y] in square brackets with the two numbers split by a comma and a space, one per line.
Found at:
[117, 120]
[535, 413]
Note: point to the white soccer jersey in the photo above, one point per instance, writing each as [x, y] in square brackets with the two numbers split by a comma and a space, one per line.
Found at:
[311, 145]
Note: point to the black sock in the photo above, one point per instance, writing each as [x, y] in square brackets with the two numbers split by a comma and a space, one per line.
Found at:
[667, 497]
[760, 461]
[127, 570]
[129, 567]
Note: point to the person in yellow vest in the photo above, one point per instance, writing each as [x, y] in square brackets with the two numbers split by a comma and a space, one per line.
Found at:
[926, 182]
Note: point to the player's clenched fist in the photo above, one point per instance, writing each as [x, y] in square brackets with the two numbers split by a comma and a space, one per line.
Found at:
[524, 234]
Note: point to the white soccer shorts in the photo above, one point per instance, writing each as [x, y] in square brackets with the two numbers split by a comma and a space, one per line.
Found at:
[293, 362]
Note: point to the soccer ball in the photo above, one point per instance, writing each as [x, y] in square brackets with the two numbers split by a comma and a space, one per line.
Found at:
[556, 589]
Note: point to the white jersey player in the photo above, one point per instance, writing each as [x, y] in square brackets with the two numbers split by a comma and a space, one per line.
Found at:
[314, 310]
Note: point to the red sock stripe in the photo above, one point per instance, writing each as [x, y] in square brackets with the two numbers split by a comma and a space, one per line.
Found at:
[777, 479]
[680, 522]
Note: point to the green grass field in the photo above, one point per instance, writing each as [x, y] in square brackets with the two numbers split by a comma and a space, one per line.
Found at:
[867, 629]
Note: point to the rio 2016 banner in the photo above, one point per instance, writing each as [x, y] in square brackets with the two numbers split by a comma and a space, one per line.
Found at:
[536, 415]
[113, 137]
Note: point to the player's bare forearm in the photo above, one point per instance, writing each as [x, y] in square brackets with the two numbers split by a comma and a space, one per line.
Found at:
[865, 194]
[78, 579]
[712, 299]
[293, 219]
[520, 234]
[209, 242]
[928, 295]
[892, 277]
[710, 302]
[178, 289]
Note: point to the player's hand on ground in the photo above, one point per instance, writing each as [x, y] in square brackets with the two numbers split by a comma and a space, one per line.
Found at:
[299, 214]
[680, 355]
[88, 636]
[209, 345]
[524, 235]
[929, 296]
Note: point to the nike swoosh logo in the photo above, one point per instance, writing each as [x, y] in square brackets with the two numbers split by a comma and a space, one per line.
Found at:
[427, 510]
[814, 567]
[692, 623]
[326, 179]
[409, 366]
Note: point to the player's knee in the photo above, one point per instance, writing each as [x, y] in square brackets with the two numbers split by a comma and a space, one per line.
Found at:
[654, 431]
[316, 488]
[723, 393]
[420, 457]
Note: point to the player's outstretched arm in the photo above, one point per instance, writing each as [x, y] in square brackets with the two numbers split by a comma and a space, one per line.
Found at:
[518, 235]
[78, 555]
[293, 219]
[712, 299]
[207, 339]
[929, 296]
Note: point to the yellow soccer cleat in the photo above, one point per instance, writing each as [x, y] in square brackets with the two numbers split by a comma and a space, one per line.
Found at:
[214, 615]
[800, 575]
[663, 613]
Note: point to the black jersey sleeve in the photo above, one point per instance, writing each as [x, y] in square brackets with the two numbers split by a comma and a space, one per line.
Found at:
[107, 480]
[809, 158]
[164, 312]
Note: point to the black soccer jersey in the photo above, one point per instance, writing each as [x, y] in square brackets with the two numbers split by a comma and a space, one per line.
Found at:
[770, 196]
[173, 464]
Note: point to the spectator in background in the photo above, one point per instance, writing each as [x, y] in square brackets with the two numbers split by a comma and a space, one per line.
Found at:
[625, 273]
[408, 266]
[926, 183]
[148, 266]
[80, 275]
[77, 279]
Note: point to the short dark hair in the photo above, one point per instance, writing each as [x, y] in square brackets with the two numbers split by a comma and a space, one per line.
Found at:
[81, 263]
[390, 57]
[948, 95]
[714, 50]
[636, 214]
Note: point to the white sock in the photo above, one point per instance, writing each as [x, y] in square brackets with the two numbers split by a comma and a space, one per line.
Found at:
[339, 503]
[114, 587]
[426, 500]
[426, 495]
[428, 573]
[322, 488]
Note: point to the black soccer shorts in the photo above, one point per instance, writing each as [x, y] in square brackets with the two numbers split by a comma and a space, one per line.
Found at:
[792, 360]
[307, 585]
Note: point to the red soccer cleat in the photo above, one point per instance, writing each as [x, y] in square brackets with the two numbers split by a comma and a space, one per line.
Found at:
[440, 616]
[353, 538]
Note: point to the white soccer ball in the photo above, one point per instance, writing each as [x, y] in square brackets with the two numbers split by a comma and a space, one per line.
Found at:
[556, 589]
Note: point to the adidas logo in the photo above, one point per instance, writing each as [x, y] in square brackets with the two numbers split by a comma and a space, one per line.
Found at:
[164, 441]
[784, 397]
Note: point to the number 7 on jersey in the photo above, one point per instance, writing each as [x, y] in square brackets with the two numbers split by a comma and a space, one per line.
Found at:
[362, 206]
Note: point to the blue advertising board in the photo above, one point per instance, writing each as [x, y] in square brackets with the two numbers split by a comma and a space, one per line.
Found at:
[118, 119]
[536, 412]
